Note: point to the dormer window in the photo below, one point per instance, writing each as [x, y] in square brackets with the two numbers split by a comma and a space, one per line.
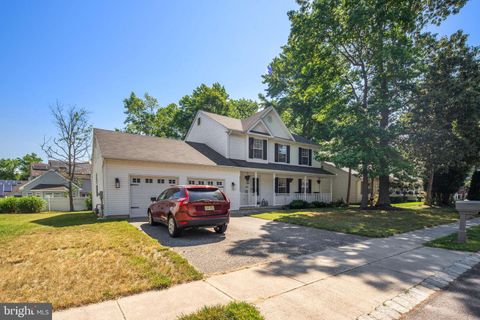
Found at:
[257, 148]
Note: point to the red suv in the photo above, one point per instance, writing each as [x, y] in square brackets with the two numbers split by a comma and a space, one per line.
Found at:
[190, 206]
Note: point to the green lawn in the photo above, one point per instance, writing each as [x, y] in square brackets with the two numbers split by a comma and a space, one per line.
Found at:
[450, 241]
[370, 223]
[231, 311]
[70, 259]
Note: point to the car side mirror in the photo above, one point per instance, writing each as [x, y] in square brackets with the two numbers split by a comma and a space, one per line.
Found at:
[153, 199]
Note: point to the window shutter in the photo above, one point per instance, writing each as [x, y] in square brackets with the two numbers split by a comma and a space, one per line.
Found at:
[310, 157]
[276, 185]
[258, 187]
[276, 152]
[299, 155]
[309, 188]
[288, 154]
[250, 148]
[288, 185]
[299, 185]
[253, 185]
[264, 149]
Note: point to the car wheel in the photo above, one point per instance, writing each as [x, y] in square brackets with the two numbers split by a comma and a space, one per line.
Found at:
[150, 219]
[173, 230]
[220, 229]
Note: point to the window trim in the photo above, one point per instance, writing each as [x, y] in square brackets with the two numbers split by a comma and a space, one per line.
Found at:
[256, 148]
[304, 157]
[280, 186]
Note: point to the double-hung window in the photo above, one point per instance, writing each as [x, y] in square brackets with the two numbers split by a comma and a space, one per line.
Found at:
[257, 149]
[304, 156]
[282, 185]
[282, 153]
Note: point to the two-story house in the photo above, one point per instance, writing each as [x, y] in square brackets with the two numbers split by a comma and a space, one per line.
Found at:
[257, 161]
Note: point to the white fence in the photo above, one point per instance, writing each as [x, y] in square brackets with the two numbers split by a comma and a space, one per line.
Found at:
[63, 204]
[248, 199]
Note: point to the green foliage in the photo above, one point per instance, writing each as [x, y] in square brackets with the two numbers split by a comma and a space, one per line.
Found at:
[25, 165]
[8, 205]
[319, 204]
[298, 204]
[9, 169]
[474, 191]
[88, 201]
[145, 116]
[451, 241]
[446, 182]
[231, 311]
[22, 205]
[30, 204]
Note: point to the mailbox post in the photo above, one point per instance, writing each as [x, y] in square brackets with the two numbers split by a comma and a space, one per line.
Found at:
[466, 209]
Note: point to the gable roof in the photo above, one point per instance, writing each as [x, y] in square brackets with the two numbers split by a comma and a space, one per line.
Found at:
[51, 171]
[243, 125]
[126, 146]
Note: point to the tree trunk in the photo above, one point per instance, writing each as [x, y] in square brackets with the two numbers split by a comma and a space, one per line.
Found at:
[428, 200]
[349, 184]
[70, 195]
[364, 203]
[383, 191]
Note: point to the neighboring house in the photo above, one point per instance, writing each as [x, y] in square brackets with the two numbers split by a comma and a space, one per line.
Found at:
[50, 184]
[10, 188]
[257, 161]
[340, 183]
[82, 173]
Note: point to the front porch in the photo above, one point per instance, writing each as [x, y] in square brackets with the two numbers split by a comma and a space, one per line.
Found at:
[263, 189]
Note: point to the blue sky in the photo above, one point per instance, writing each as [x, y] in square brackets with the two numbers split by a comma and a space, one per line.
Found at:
[94, 53]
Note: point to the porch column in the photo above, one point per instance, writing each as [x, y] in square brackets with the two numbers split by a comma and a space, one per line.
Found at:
[331, 195]
[256, 189]
[305, 188]
[274, 194]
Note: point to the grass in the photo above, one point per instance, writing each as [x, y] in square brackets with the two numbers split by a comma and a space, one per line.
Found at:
[450, 241]
[231, 311]
[370, 223]
[71, 259]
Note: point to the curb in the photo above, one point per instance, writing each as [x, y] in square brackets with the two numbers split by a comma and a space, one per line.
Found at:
[410, 298]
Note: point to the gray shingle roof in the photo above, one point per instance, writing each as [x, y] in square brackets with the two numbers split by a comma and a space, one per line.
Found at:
[125, 146]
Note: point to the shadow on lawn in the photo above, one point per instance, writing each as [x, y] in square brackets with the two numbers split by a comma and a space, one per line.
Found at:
[69, 219]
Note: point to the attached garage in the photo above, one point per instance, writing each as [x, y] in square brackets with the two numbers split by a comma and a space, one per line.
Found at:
[129, 169]
[143, 188]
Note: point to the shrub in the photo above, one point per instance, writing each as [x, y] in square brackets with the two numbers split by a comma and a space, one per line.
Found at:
[398, 199]
[474, 191]
[8, 205]
[30, 204]
[339, 203]
[320, 204]
[298, 204]
[22, 205]
[88, 201]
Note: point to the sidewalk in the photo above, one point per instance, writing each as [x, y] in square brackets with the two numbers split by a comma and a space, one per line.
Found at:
[341, 283]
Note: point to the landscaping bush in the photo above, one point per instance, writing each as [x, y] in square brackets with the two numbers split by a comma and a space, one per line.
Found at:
[298, 204]
[474, 191]
[398, 199]
[320, 204]
[8, 205]
[30, 204]
[88, 201]
[339, 204]
[22, 205]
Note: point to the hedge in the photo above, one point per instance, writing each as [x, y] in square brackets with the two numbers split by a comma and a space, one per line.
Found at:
[22, 205]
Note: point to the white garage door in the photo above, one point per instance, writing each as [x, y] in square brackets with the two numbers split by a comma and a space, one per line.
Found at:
[142, 188]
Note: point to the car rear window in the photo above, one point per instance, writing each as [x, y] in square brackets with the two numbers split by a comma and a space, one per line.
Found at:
[199, 194]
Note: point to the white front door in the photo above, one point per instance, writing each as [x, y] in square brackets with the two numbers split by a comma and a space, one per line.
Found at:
[143, 188]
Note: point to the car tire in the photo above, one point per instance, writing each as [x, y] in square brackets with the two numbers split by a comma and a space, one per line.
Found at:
[173, 230]
[150, 219]
[221, 228]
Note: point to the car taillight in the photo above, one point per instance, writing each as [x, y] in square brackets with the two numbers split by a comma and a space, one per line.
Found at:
[182, 202]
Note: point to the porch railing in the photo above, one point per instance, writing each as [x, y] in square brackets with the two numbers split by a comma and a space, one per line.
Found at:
[286, 198]
[248, 199]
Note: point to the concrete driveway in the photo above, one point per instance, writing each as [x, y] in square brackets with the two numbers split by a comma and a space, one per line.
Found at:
[248, 241]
